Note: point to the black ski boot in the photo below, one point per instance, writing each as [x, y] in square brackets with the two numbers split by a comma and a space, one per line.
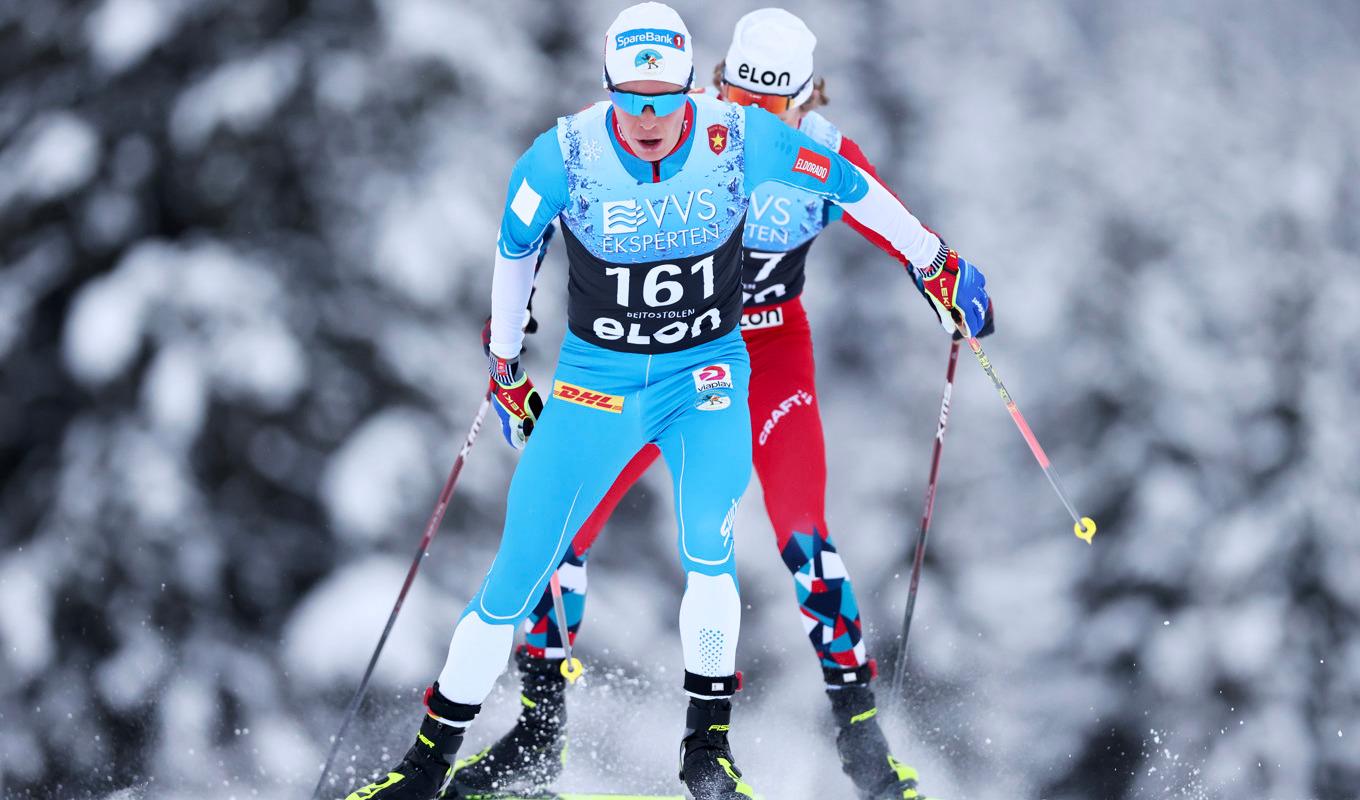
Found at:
[706, 765]
[531, 755]
[421, 774]
[864, 749]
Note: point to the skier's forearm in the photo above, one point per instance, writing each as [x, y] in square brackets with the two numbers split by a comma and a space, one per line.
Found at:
[855, 155]
[512, 283]
[879, 211]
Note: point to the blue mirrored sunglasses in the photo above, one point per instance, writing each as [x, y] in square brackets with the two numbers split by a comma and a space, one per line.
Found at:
[662, 104]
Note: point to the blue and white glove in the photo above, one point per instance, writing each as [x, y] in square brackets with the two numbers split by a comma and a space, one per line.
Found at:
[988, 327]
[958, 292]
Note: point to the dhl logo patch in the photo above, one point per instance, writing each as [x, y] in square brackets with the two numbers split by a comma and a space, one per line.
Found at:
[585, 397]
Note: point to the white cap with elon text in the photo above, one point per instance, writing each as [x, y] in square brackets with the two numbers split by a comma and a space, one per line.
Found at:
[648, 42]
[771, 53]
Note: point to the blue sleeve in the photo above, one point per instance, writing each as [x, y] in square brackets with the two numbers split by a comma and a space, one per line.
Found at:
[779, 152]
[537, 193]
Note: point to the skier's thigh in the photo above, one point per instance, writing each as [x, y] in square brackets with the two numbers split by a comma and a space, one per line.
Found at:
[786, 431]
[571, 459]
[708, 452]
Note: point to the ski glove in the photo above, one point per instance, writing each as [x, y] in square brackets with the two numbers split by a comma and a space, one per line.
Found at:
[515, 399]
[958, 291]
[988, 327]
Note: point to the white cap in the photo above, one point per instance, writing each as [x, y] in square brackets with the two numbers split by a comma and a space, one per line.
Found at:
[771, 53]
[648, 42]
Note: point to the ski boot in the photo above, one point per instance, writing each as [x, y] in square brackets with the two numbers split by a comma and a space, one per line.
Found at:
[421, 773]
[863, 748]
[532, 754]
[706, 764]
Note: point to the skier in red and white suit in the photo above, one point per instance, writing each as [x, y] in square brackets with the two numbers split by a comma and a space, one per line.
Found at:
[769, 64]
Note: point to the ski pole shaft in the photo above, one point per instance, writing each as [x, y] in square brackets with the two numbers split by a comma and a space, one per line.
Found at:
[571, 668]
[899, 674]
[436, 517]
[1083, 527]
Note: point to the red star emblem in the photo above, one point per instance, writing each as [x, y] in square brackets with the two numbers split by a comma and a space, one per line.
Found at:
[717, 138]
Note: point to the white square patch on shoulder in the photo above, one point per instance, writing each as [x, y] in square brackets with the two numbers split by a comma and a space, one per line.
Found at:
[526, 202]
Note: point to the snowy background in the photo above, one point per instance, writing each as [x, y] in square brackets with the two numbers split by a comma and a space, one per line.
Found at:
[245, 256]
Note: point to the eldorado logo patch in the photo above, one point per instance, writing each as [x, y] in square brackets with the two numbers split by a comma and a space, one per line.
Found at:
[588, 398]
[809, 163]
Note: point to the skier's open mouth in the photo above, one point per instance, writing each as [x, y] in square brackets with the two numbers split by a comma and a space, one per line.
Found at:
[649, 144]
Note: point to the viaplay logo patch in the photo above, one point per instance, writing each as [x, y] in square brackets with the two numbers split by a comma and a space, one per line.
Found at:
[810, 163]
[713, 376]
[653, 36]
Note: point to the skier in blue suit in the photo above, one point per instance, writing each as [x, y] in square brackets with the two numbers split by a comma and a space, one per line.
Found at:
[651, 189]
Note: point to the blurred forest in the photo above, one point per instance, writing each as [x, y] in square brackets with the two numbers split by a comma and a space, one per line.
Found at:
[245, 254]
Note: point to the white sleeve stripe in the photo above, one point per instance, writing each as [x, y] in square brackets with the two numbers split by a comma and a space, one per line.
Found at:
[884, 214]
[512, 282]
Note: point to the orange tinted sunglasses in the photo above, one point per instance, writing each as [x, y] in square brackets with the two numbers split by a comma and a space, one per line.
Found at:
[773, 103]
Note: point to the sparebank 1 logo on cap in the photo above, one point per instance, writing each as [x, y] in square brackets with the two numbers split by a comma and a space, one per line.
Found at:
[653, 36]
[622, 216]
[648, 61]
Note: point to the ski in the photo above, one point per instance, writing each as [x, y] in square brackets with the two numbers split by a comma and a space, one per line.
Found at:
[568, 796]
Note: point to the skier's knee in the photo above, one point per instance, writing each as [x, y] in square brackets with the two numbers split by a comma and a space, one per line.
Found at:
[709, 556]
[504, 606]
[710, 569]
[707, 544]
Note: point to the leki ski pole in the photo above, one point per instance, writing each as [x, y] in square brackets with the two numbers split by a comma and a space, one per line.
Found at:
[899, 674]
[572, 668]
[1083, 527]
[436, 517]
